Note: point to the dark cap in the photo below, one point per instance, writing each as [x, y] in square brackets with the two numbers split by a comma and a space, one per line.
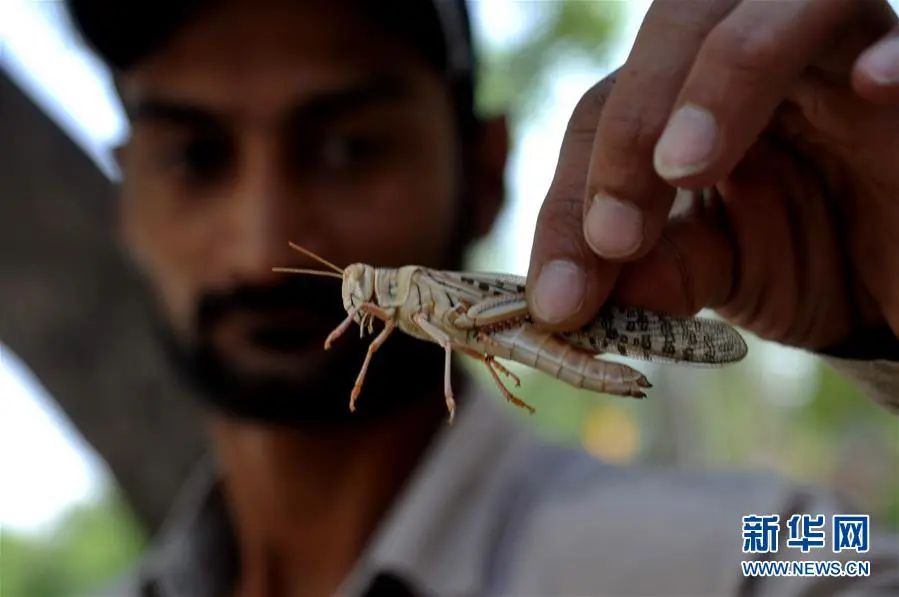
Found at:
[123, 33]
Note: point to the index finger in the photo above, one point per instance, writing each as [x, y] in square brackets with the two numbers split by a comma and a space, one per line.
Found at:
[609, 142]
[629, 201]
[567, 283]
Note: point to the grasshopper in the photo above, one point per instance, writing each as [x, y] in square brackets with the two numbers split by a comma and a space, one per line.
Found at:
[485, 316]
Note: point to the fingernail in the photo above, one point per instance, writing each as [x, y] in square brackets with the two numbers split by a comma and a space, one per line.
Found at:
[688, 143]
[613, 228]
[560, 290]
[881, 64]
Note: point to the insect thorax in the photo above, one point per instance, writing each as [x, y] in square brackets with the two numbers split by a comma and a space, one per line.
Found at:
[392, 285]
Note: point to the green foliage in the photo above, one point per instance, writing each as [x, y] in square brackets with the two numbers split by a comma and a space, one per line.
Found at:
[88, 546]
[512, 78]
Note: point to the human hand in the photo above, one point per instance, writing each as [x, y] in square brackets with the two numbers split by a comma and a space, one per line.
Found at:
[789, 113]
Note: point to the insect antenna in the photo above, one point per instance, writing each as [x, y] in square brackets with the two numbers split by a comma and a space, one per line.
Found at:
[318, 258]
[313, 272]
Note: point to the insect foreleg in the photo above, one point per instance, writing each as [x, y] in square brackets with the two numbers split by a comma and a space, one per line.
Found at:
[340, 329]
[375, 345]
[377, 311]
[366, 321]
[365, 309]
[441, 338]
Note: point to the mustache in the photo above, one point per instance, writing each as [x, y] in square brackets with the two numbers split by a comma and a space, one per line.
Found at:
[321, 297]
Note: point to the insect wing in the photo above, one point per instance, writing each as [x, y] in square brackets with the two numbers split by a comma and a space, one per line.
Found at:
[475, 287]
[642, 334]
[630, 332]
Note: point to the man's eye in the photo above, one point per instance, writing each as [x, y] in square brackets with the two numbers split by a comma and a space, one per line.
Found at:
[200, 159]
[343, 152]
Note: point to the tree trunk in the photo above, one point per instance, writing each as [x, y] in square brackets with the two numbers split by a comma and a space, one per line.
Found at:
[76, 313]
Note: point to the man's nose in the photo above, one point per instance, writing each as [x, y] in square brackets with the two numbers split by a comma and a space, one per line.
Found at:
[269, 211]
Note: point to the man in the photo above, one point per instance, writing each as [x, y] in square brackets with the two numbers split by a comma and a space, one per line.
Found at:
[348, 127]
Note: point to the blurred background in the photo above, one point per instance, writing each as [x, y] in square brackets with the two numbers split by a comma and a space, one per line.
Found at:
[65, 524]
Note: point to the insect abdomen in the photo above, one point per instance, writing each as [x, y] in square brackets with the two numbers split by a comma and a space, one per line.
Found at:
[550, 354]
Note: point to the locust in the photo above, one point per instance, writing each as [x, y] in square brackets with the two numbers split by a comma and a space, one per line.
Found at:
[485, 316]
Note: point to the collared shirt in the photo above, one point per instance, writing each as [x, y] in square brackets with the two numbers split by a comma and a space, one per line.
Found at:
[492, 510]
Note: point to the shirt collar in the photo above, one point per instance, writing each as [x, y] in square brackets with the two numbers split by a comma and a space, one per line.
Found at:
[195, 552]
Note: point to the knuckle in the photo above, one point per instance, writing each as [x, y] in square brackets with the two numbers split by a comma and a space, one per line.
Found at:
[592, 101]
[566, 195]
[577, 144]
[564, 213]
[588, 108]
[626, 141]
[749, 51]
[559, 226]
[629, 129]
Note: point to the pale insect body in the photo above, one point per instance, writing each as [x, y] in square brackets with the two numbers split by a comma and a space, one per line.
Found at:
[485, 316]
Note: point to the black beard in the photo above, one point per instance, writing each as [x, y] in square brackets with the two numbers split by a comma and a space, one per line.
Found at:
[403, 370]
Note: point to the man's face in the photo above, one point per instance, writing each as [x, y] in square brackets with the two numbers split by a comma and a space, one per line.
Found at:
[260, 123]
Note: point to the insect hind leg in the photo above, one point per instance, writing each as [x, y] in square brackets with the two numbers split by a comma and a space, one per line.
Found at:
[490, 363]
[492, 367]
[500, 368]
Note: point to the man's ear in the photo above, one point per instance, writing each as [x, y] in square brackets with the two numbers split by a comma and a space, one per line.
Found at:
[492, 149]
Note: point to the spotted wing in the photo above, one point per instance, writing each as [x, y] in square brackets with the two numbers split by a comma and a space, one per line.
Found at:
[630, 332]
[642, 334]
